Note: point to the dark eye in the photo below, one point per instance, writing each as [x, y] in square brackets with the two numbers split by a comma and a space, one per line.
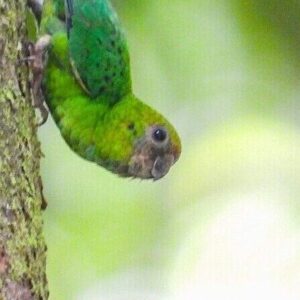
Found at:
[159, 135]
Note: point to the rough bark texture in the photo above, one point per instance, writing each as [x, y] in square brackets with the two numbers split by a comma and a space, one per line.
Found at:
[22, 245]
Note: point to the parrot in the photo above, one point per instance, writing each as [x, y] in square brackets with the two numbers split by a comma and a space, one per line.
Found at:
[82, 66]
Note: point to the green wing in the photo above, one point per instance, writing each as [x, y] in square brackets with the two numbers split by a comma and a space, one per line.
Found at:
[98, 49]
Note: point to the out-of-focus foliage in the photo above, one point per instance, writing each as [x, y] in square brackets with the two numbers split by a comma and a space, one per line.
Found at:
[224, 223]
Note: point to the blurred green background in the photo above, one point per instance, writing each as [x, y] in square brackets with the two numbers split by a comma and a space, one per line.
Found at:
[224, 223]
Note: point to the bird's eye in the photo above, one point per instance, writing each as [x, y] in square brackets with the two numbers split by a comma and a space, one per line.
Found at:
[159, 135]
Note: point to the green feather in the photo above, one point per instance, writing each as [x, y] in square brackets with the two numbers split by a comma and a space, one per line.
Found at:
[98, 49]
[87, 85]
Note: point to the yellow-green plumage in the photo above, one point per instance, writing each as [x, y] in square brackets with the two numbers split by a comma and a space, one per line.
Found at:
[87, 87]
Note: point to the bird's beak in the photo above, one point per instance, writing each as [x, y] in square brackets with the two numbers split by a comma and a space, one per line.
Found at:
[162, 165]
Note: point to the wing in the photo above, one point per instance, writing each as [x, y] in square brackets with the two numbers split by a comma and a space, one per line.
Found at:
[98, 49]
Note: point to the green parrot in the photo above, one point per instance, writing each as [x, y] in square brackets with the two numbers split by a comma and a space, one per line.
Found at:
[86, 84]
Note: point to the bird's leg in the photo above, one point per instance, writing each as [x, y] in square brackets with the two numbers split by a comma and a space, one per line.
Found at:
[36, 61]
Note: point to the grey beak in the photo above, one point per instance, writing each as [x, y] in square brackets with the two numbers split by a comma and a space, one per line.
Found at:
[161, 166]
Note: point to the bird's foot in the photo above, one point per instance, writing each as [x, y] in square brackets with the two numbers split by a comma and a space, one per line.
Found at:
[36, 60]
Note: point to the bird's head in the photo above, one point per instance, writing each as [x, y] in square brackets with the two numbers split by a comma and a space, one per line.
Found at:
[137, 141]
[154, 153]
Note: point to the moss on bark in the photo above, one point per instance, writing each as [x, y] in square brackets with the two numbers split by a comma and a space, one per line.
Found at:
[22, 245]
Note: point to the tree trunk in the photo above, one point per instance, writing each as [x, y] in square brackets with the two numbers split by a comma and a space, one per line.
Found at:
[22, 245]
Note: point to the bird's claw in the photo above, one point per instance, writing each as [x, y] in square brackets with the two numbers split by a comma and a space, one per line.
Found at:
[36, 60]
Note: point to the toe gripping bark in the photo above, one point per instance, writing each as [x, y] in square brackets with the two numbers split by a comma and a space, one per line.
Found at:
[36, 61]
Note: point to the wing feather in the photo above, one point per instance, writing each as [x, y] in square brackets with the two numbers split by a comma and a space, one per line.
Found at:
[98, 48]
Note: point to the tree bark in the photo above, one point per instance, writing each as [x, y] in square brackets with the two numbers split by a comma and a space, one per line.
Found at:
[22, 245]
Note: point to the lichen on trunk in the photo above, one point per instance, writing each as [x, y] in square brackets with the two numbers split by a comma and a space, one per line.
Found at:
[22, 245]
